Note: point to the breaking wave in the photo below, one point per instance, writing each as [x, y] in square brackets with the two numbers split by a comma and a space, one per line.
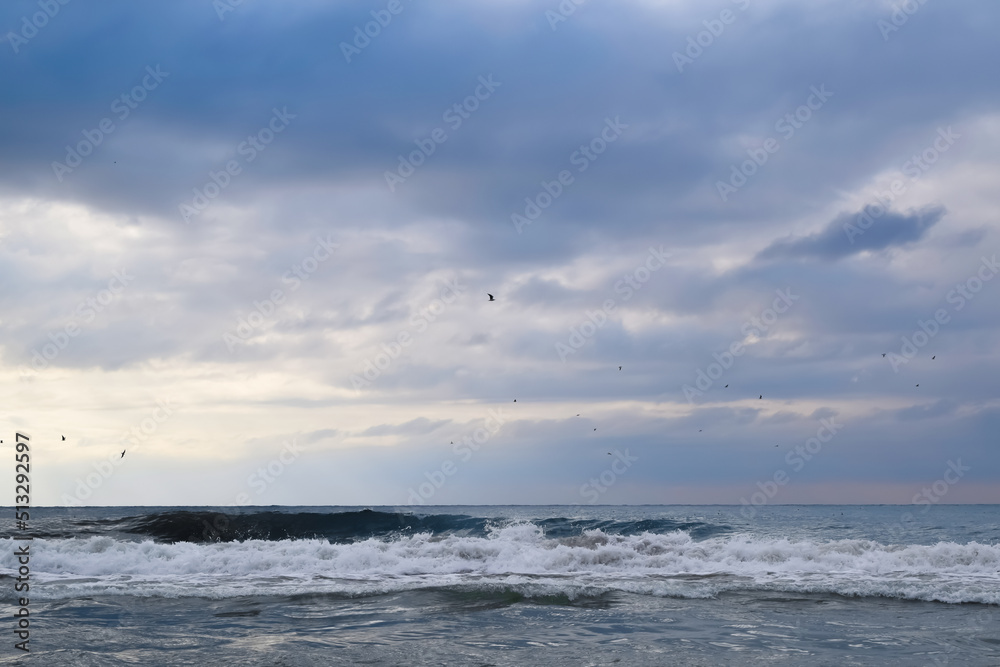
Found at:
[366, 553]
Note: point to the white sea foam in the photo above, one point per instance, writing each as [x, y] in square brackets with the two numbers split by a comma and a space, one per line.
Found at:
[516, 557]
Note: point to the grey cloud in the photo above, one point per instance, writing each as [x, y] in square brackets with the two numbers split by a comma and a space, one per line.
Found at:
[419, 426]
[938, 408]
[850, 234]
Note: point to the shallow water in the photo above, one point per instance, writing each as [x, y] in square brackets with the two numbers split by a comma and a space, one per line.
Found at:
[675, 585]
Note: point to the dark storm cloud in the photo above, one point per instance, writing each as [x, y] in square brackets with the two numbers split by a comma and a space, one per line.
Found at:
[353, 120]
[849, 234]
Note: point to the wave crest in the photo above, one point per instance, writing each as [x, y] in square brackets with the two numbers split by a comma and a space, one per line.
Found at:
[520, 557]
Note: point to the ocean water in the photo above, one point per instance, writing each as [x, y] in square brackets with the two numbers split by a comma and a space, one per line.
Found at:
[509, 585]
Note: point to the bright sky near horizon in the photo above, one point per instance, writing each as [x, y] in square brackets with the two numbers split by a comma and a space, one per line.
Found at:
[251, 245]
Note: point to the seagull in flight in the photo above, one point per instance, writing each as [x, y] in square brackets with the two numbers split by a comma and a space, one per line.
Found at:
[491, 296]
[123, 454]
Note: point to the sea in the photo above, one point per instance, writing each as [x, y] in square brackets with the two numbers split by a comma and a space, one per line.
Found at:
[504, 585]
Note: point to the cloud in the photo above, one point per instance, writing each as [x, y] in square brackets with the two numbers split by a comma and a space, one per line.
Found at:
[420, 426]
[323, 176]
[847, 235]
[939, 408]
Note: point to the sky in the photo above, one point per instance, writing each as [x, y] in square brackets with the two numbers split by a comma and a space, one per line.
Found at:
[741, 252]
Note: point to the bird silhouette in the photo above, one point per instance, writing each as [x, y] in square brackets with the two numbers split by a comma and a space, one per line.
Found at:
[64, 438]
[491, 296]
[515, 400]
[760, 397]
[918, 385]
[883, 355]
[123, 454]
[595, 429]
[934, 357]
[726, 387]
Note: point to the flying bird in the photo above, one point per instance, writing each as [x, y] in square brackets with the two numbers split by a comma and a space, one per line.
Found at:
[726, 387]
[761, 397]
[123, 454]
[595, 429]
[64, 438]
[619, 368]
[883, 355]
[934, 357]
[491, 296]
[918, 385]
